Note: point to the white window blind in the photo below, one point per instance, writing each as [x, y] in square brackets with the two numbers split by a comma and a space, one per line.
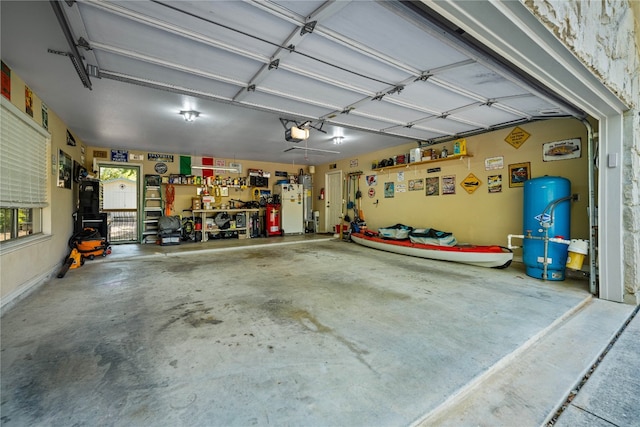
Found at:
[23, 160]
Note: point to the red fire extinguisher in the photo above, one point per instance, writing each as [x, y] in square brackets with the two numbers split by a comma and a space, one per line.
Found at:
[322, 194]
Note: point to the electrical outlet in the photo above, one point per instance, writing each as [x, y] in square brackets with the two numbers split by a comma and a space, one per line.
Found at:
[575, 197]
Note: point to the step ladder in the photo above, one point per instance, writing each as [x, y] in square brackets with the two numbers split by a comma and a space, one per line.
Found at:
[153, 208]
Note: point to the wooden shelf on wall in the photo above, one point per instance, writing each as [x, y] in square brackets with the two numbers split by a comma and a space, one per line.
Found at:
[425, 162]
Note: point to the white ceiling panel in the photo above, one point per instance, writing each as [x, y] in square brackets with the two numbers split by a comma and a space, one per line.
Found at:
[485, 115]
[246, 64]
[479, 79]
[416, 133]
[445, 127]
[376, 26]
[531, 105]
[390, 111]
[304, 87]
[287, 106]
[433, 98]
[144, 71]
[301, 8]
[361, 67]
[362, 122]
[232, 23]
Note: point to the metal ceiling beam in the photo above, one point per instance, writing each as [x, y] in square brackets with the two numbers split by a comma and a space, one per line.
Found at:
[174, 29]
[165, 64]
[327, 9]
[74, 55]
[247, 87]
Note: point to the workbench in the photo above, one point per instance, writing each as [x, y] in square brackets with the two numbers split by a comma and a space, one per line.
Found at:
[211, 213]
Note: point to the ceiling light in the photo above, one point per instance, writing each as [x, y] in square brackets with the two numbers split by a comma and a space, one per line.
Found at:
[337, 140]
[217, 168]
[190, 115]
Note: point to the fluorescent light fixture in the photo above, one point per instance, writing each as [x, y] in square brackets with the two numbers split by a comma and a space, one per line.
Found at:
[217, 168]
[190, 115]
[337, 140]
[311, 149]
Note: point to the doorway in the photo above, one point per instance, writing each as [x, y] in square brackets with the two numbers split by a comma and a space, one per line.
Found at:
[334, 200]
[120, 196]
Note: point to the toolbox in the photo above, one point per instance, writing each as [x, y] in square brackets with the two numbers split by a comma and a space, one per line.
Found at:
[170, 238]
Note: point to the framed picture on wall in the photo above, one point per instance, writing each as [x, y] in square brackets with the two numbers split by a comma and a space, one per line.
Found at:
[449, 184]
[433, 186]
[64, 170]
[519, 173]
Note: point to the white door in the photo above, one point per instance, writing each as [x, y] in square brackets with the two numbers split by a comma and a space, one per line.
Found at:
[334, 200]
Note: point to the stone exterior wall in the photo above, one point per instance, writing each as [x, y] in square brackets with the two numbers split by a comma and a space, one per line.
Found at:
[605, 36]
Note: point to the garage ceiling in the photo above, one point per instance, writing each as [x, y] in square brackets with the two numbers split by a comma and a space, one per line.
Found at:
[379, 74]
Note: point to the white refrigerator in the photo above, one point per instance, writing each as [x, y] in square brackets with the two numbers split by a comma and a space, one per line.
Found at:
[291, 207]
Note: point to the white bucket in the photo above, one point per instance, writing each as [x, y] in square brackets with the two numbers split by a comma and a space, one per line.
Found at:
[577, 251]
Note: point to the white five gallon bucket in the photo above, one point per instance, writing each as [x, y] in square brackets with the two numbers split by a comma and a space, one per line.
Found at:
[577, 251]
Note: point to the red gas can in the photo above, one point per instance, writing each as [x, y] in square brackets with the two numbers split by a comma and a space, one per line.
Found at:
[272, 219]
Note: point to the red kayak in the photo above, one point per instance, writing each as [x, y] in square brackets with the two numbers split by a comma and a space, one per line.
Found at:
[483, 256]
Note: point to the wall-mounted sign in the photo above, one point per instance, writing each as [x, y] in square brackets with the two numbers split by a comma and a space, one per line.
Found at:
[519, 173]
[221, 163]
[389, 190]
[416, 184]
[119, 155]
[494, 182]
[562, 150]
[160, 168]
[45, 116]
[433, 186]
[492, 163]
[449, 184]
[158, 157]
[517, 137]
[28, 101]
[6, 81]
[470, 183]
[65, 165]
[237, 166]
[433, 170]
[70, 139]
[353, 163]
[99, 154]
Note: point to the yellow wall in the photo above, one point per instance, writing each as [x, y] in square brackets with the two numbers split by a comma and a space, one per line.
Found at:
[26, 265]
[184, 193]
[481, 217]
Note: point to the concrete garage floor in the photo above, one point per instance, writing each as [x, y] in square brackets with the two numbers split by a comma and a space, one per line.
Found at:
[309, 331]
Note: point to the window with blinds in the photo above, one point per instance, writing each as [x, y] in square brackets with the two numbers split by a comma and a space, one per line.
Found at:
[23, 160]
[23, 173]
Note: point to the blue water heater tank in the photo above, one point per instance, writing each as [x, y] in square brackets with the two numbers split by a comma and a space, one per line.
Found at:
[547, 200]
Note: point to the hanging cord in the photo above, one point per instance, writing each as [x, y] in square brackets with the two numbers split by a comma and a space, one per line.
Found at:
[171, 196]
